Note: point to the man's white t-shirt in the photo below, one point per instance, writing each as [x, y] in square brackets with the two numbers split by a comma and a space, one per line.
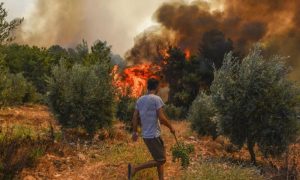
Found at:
[147, 106]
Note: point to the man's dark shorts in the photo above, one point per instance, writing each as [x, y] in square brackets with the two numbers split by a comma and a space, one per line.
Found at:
[157, 148]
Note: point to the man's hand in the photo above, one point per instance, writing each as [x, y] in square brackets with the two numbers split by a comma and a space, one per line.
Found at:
[135, 136]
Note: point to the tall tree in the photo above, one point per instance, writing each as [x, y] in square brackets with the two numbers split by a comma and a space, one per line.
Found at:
[183, 76]
[7, 28]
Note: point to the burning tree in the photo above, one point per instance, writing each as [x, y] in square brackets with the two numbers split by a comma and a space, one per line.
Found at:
[130, 84]
[256, 103]
[132, 80]
[185, 74]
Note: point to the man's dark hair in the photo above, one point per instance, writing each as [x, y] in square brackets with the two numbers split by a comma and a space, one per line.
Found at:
[152, 84]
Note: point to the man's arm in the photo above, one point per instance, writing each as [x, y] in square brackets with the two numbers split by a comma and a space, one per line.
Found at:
[135, 122]
[164, 120]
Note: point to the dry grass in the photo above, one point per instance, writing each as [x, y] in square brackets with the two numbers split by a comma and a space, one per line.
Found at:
[108, 158]
[215, 170]
[36, 117]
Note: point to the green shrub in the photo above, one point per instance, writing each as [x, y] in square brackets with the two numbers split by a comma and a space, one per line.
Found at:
[174, 113]
[82, 96]
[256, 103]
[182, 151]
[15, 90]
[33, 62]
[125, 109]
[203, 116]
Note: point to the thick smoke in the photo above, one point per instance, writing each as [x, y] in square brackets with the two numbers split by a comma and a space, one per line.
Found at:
[274, 23]
[55, 22]
[149, 44]
[67, 22]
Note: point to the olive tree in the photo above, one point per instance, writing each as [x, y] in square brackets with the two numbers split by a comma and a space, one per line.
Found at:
[203, 116]
[81, 96]
[256, 103]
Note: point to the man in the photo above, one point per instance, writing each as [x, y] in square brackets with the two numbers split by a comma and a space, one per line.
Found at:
[149, 108]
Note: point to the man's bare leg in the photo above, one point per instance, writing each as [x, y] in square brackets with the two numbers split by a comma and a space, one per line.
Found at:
[145, 165]
[160, 171]
[150, 164]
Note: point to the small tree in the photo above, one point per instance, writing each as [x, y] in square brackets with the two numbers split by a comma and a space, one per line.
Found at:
[203, 116]
[125, 109]
[256, 103]
[14, 88]
[175, 113]
[82, 96]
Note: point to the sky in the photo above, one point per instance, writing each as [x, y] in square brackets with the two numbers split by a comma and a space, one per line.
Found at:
[17, 8]
[119, 23]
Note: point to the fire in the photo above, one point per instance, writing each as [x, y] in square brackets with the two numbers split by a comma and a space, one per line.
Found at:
[133, 79]
[164, 53]
[187, 53]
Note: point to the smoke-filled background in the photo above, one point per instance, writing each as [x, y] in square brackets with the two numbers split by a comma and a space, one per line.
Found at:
[274, 23]
[67, 22]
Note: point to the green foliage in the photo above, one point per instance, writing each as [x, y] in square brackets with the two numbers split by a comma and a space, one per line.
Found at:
[36, 63]
[174, 113]
[256, 102]
[183, 76]
[82, 96]
[101, 53]
[182, 151]
[187, 75]
[6, 28]
[33, 62]
[15, 90]
[203, 116]
[125, 109]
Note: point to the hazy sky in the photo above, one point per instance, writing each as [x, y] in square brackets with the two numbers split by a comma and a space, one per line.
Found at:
[119, 20]
[17, 8]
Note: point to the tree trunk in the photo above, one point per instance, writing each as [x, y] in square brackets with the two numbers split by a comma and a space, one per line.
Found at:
[287, 163]
[250, 144]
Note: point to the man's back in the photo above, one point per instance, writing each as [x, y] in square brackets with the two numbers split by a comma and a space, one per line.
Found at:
[147, 106]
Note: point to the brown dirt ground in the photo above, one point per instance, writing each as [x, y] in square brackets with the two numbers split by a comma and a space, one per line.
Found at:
[108, 159]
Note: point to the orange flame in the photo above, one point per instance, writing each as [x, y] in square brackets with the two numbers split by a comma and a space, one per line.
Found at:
[187, 53]
[135, 78]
